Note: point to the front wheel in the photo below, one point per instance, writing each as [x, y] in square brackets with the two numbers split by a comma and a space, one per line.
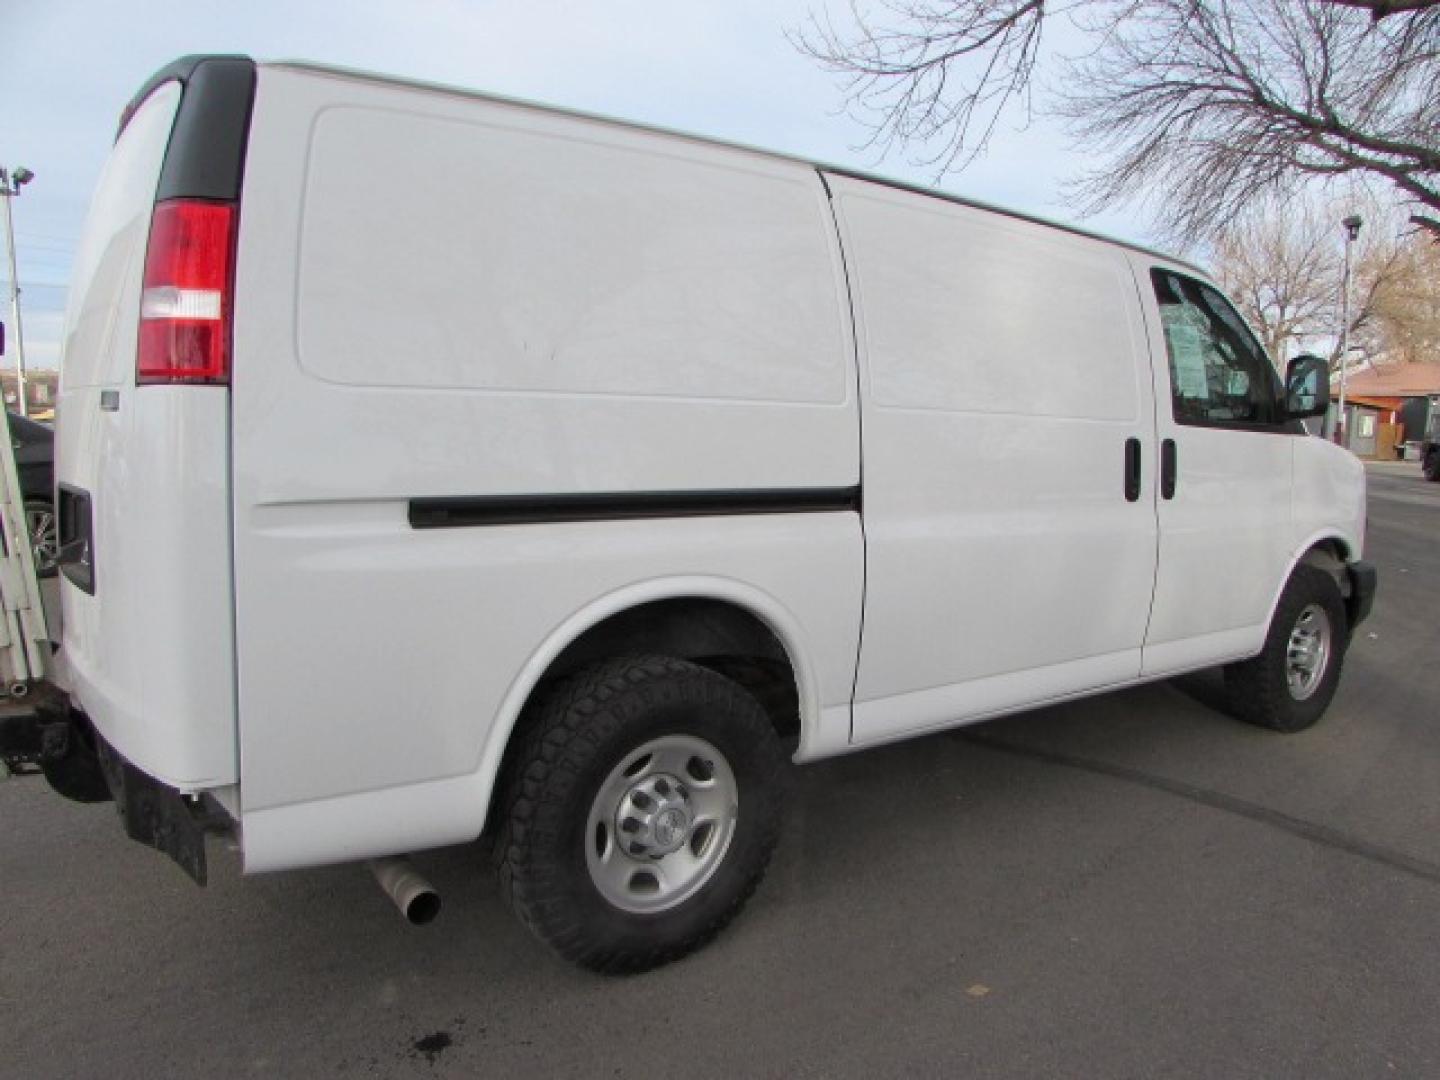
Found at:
[1290, 684]
[641, 812]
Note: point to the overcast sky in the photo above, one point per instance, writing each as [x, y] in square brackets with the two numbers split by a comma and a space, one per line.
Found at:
[715, 67]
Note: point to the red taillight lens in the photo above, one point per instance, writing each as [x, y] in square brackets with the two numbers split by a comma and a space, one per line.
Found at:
[185, 302]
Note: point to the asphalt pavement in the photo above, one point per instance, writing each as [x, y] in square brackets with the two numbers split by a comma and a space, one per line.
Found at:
[1128, 886]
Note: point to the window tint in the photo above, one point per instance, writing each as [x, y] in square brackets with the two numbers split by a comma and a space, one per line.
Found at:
[1218, 372]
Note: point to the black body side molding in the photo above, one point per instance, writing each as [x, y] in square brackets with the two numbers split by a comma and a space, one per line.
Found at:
[446, 512]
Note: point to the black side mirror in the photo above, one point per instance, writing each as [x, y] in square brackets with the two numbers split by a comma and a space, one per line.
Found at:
[1307, 387]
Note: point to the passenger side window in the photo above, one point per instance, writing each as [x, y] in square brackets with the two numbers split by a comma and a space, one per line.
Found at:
[1219, 375]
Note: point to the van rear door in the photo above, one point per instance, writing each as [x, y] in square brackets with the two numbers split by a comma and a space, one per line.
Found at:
[143, 431]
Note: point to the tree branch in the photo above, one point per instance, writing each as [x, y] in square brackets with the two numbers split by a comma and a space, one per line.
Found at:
[1380, 9]
[1196, 106]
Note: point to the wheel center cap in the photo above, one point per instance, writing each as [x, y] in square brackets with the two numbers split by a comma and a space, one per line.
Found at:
[654, 817]
[670, 828]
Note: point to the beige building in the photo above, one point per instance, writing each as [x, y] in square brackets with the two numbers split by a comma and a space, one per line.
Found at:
[41, 387]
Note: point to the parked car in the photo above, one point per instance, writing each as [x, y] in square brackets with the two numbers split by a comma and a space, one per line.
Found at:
[1430, 443]
[34, 461]
[693, 415]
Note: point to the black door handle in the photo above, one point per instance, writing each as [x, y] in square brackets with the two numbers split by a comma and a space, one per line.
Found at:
[1167, 469]
[1132, 469]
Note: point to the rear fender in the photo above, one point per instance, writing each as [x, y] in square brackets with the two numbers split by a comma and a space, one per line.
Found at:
[758, 603]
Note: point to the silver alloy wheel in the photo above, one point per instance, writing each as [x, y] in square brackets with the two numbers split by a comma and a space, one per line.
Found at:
[44, 536]
[1308, 653]
[661, 823]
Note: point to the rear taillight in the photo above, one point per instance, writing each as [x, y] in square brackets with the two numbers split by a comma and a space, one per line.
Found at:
[185, 304]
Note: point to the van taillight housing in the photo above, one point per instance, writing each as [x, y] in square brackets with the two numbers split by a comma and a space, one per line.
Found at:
[186, 300]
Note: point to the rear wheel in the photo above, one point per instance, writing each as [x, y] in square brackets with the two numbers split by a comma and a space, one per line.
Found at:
[1431, 465]
[641, 813]
[1290, 684]
[44, 535]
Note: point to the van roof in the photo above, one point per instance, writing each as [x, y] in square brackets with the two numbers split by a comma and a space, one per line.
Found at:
[186, 65]
[837, 170]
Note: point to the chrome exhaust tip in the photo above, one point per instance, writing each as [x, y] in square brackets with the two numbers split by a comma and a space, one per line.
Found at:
[415, 897]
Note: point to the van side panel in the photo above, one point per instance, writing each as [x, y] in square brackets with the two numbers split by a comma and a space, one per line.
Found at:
[534, 259]
[449, 297]
[1005, 371]
[149, 653]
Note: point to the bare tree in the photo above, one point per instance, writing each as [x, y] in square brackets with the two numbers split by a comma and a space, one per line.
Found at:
[1407, 305]
[933, 76]
[1379, 267]
[1201, 105]
[1281, 264]
[1278, 264]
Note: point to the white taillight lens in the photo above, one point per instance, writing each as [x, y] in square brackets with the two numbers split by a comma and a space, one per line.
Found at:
[168, 302]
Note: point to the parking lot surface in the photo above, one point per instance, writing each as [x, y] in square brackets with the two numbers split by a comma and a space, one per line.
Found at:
[1127, 886]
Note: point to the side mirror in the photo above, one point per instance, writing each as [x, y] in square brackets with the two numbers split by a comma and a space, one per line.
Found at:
[1307, 387]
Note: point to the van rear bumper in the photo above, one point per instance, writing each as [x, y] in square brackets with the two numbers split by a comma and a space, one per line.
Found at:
[79, 764]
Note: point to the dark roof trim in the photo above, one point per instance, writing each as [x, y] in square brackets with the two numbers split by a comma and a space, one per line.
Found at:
[205, 158]
[177, 70]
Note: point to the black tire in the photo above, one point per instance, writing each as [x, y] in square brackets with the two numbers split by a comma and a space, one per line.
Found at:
[1259, 690]
[77, 776]
[578, 735]
[771, 684]
[1431, 465]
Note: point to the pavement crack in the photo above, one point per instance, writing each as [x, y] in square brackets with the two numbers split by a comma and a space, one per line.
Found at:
[1218, 800]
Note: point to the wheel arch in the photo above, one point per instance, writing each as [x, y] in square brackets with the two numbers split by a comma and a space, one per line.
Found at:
[1327, 550]
[733, 611]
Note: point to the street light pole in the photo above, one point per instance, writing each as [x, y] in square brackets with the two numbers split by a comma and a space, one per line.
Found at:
[1352, 233]
[10, 184]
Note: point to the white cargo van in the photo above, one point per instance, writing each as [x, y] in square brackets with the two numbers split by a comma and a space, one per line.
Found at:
[432, 463]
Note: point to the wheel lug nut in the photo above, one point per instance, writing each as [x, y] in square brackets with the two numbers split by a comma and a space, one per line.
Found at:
[661, 787]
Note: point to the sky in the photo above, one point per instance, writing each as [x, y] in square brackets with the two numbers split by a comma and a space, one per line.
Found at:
[721, 69]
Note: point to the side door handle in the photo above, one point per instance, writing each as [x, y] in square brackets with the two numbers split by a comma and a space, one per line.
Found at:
[1168, 465]
[1132, 470]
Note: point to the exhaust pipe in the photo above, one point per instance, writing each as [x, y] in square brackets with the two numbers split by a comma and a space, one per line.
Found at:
[410, 892]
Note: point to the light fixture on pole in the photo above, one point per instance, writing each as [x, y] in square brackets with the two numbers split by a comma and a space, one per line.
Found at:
[11, 181]
[1352, 233]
